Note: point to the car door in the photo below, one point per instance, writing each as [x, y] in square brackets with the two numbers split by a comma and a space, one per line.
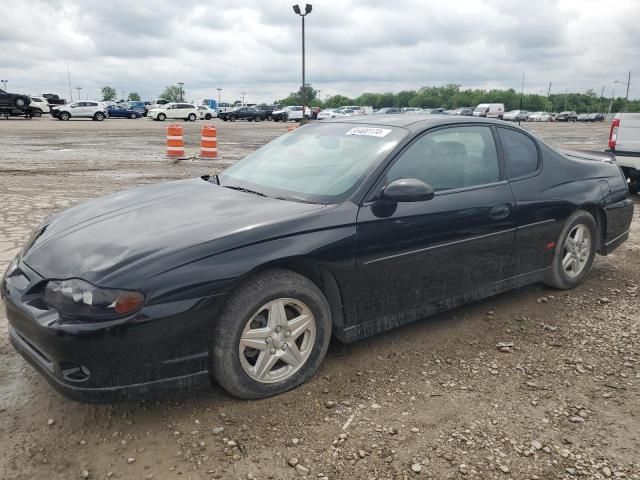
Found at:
[414, 258]
[172, 111]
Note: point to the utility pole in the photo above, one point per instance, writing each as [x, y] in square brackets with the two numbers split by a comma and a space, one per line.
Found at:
[521, 95]
[566, 94]
[219, 90]
[307, 11]
[243, 94]
[626, 101]
[69, 80]
[79, 88]
[181, 91]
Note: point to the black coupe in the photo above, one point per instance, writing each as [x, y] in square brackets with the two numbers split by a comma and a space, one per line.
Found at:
[345, 228]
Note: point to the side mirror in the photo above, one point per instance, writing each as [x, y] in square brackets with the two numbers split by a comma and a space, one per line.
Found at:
[407, 190]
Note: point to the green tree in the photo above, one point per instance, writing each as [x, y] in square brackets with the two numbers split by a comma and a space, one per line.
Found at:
[173, 93]
[109, 94]
[134, 97]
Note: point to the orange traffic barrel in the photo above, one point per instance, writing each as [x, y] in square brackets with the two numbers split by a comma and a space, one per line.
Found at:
[175, 141]
[209, 142]
[291, 128]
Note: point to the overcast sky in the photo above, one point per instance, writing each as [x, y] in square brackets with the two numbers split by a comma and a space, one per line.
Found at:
[353, 46]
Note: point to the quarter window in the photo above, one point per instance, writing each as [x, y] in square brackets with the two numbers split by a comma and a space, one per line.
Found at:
[520, 153]
[454, 157]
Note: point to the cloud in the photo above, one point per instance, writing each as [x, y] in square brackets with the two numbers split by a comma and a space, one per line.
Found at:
[352, 45]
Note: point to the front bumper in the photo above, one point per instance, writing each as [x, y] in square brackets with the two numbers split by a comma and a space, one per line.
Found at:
[163, 347]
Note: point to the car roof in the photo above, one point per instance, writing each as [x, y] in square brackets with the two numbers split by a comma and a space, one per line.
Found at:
[415, 122]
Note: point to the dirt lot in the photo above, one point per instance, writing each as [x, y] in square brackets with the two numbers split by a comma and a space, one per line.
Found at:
[435, 399]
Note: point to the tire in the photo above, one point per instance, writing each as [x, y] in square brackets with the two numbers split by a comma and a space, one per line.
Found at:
[275, 119]
[258, 118]
[64, 116]
[21, 101]
[192, 117]
[207, 116]
[269, 117]
[232, 118]
[224, 119]
[36, 112]
[560, 278]
[285, 118]
[99, 116]
[244, 309]
[133, 116]
[161, 117]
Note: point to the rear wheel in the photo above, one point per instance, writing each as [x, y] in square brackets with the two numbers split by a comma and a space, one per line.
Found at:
[575, 251]
[133, 116]
[192, 117]
[232, 118]
[207, 116]
[272, 335]
[36, 112]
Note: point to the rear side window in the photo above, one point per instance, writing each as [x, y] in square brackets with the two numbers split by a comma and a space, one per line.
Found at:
[520, 152]
[455, 157]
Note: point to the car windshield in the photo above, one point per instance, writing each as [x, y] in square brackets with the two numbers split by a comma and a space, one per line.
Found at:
[321, 163]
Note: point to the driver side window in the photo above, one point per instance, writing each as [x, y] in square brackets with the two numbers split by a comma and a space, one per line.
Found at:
[449, 158]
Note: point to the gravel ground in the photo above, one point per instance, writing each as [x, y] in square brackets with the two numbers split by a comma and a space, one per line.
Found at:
[437, 399]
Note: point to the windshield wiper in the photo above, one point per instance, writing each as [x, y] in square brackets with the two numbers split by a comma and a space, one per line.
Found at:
[245, 190]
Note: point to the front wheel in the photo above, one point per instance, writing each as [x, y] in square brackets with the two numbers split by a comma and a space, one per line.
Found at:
[258, 118]
[271, 336]
[232, 118]
[99, 116]
[64, 116]
[162, 117]
[575, 251]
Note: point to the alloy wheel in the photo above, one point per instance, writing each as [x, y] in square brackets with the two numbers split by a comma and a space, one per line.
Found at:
[277, 340]
[576, 250]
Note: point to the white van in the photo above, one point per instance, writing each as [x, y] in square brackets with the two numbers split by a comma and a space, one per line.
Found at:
[624, 142]
[489, 110]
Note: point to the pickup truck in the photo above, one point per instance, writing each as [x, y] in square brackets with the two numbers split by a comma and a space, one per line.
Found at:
[624, 143]
[54, 99]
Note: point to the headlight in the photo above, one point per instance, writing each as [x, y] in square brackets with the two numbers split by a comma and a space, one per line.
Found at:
[77, 298]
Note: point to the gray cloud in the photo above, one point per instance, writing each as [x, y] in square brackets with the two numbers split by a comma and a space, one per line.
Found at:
[353, 45]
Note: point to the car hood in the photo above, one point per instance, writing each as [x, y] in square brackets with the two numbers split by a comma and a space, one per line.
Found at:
[102, 238]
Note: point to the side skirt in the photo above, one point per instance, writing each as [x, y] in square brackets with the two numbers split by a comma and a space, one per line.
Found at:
[388, 322]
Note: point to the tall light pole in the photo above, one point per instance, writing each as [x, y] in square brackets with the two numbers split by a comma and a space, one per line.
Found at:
[219, 90]
[4, 83]
[78, 89]
[307, 10]
[627, 83]
[566, 95]
[243, 94]
[181, 91]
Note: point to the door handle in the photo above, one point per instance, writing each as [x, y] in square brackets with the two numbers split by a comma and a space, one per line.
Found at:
[500, 211]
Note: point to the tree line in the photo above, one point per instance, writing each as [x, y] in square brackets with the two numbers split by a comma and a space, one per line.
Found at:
[453, 96]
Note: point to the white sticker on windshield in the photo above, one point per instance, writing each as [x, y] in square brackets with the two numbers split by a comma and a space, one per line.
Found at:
[369, 131]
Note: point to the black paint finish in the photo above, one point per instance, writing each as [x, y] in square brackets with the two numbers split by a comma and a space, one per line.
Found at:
[380, 263]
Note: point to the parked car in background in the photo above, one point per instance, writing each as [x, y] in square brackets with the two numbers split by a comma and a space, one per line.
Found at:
[356, 110]
[329, 113]
[516, 115]
[624, 142]
[184, 111]
[266, 111]
[411, 109]
[595, 117]
[206, 113]
[388, 110]
[433, 111]
[136, 105]
[582, 117]
[465, 111]
[119, 111]
[330, 231]
[85, 109]
[39, 105]
[489, 110]
[568, 116]
[156, 104]
[540, 117]
[243, 113]
[288, 113]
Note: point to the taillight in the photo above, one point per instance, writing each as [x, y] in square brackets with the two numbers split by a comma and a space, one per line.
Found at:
[613, 134]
